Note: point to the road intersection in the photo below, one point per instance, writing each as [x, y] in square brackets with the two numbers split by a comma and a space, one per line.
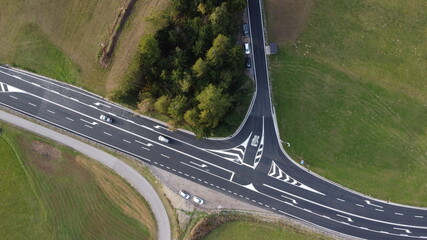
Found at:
[250, 166]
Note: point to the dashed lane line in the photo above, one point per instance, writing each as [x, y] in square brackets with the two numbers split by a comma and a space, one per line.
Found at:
[397, 213]
[165, 156]
[32, 104]
[13, 97]
[50, 111]
[69, 119]
[379, 210]
[339, 199]
[126, 141]
[147, 149]
[109, 134]
[359, 205]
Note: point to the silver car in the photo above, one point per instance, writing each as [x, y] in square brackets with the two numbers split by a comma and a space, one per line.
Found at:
[106, 118]
[184, 194]
[164, 139]
[198, 200]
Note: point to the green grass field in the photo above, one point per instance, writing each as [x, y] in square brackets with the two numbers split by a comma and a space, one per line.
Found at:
[51, 192]
[243, 230]
[61, 39]
[350, 93]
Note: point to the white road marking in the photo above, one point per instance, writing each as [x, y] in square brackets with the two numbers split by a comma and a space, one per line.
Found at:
[162, 165]
[339, 199]
[193, 177]
[379, 210]
[99, 104]
[419, 216]
[51, 111]
[145, 148]
[69, 119]
[200, 165]
[88, 126]
[337, 210]
[164, 156]
[168, 167]
[403, 229]
[400, 214]
[32, 104]
[293, 200]
[109, 134]
[126, 141]
[384, 232]
[369, 203]
[145, 144]
[89, 122]
[327, 217]
[13, 97]
[348, 219]
[360, 205]
[173, 169]
[74, 99]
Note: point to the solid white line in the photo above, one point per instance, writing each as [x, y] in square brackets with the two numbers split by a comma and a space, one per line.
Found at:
[164, 156]
[70, 119]
[340, 211]
[13, 97]
[88, 126]
[51, 111]
[126, 141]
[32, 104]
[109, 134]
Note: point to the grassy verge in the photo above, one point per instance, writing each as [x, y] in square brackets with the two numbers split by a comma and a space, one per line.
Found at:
[75, 198]
[350, 94]
[243, 227]
[62, 39]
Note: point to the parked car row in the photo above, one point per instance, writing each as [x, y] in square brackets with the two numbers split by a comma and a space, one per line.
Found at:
[247, 46]
[187, 196]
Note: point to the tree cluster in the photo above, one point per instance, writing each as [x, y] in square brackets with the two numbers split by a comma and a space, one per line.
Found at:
[188, 70]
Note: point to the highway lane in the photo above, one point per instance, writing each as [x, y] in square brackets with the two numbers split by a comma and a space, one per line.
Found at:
[249, 166]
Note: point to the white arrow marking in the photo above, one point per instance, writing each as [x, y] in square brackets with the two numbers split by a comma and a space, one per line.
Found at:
[200, 165]
[348, 219]
[403, 229]
[145, 144]
[369, 203]
[86, 121]
[99, 104]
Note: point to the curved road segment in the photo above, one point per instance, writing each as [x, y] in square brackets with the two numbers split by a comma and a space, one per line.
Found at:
[251, 166]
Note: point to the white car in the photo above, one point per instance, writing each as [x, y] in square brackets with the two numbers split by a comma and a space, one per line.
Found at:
[164, 139]
[198, 200]
[184, 194]
[106, 118]
[247, 49]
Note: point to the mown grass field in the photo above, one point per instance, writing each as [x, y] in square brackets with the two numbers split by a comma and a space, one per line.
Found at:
[350, 92]
[51, 192]
[244, 230]
[61, 39]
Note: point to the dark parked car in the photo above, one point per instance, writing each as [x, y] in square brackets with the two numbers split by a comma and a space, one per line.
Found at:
[245, 30]
[248, 63]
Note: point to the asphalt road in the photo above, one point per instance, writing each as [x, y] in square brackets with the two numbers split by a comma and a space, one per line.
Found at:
[251, 166]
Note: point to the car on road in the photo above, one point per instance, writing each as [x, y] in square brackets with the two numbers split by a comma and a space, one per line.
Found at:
[245, 30]
[247, 49]
[164, 139]
[184, 194]
[198, 200]
[106, 118]
[248, 63]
